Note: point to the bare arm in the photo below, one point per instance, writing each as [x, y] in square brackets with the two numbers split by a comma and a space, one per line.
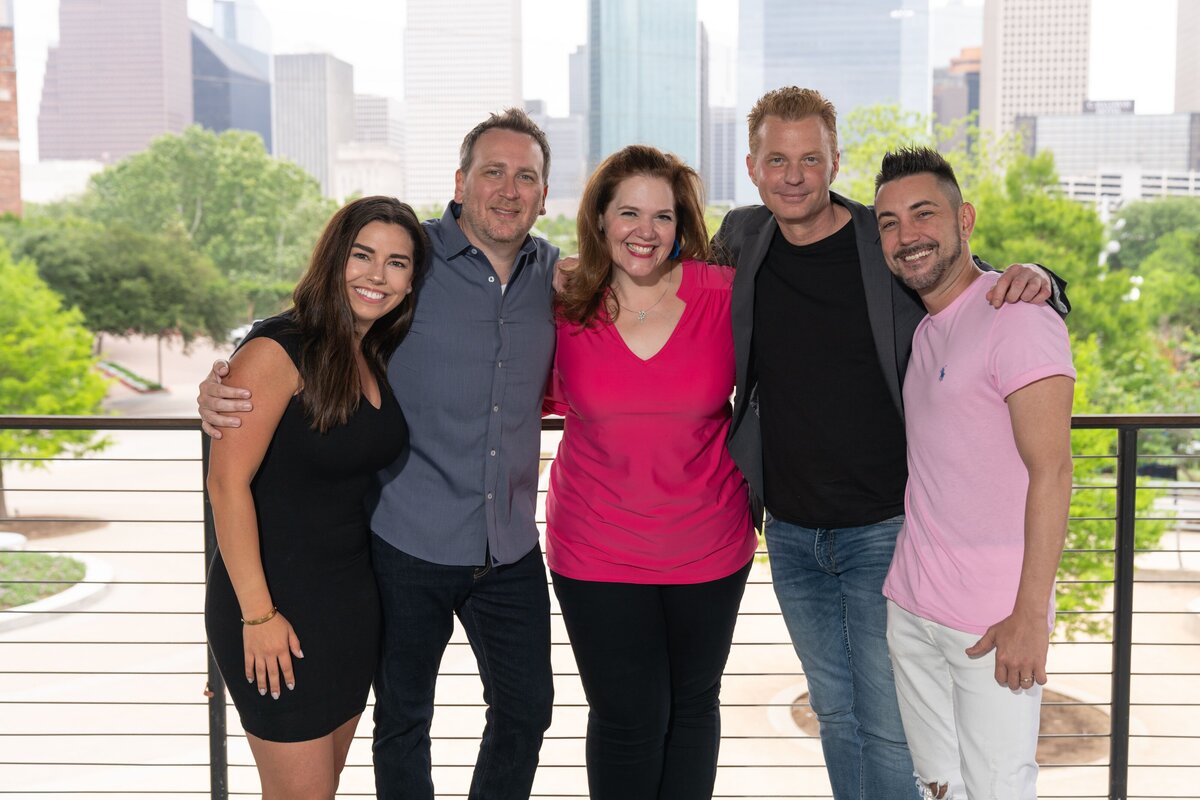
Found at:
[263, 366]
[1041, 421]
[216, 400]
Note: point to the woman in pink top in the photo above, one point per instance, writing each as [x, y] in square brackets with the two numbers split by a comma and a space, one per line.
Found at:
[649, 537]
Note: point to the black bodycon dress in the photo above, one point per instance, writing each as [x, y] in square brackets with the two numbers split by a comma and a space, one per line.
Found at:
[313, 527]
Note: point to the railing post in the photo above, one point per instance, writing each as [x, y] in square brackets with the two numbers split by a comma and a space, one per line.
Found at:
[1122, 662]
[218, 756]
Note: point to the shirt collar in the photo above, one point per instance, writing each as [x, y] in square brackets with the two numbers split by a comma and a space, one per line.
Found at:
[455, 242]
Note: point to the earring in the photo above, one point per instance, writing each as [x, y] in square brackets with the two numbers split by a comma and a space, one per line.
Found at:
[674, 250]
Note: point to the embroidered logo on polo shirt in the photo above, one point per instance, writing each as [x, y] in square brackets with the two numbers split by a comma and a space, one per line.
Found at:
[942, 375]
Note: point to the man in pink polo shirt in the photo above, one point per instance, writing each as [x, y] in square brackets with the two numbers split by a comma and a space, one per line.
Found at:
[987, 400]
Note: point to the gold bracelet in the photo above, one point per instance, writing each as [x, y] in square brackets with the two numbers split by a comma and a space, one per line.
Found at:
[270, 615]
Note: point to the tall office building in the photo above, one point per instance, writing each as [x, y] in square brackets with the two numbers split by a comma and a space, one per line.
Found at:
[242, 24]
[229, 90]
[1090, 143]
[10, 156]
[856, 52]
[578, 71]
[1187, 58]
[726, 148]
[379, 120]
[120, 75]
[566, 137]
[1035, 60]
[462, 61]
[1110, 156]
[373, 162]
[644, 67]
[314, 112]
[956, 87]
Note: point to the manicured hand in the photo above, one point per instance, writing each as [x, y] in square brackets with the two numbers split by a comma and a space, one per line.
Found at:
[269, 648]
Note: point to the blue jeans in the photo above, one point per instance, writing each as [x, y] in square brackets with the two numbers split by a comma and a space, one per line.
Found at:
[829, 582]
[505, 611]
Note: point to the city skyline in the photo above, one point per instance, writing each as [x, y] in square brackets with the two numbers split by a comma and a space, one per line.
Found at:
[371, 39]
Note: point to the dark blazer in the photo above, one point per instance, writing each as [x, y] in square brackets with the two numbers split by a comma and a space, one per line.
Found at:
[893, 309]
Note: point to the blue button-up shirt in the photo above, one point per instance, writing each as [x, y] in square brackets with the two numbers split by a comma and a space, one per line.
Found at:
[470, 377]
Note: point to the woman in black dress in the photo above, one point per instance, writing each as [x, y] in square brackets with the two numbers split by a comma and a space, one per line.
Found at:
[292, 611]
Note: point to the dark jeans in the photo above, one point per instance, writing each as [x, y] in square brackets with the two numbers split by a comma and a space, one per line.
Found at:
[650, 658]
[505, 611]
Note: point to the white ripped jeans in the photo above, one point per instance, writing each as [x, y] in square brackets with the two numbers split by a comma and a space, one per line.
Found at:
[964, 730]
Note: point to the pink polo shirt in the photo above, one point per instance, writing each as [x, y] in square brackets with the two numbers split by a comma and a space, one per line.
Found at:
[643, 489]
[958, 556]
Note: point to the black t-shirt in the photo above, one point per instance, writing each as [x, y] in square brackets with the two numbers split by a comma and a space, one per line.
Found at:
[833, 441]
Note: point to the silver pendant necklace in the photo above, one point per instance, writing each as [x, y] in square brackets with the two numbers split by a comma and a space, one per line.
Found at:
[641, 315]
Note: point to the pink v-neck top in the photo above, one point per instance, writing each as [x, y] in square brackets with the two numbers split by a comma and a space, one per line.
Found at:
[643, 489]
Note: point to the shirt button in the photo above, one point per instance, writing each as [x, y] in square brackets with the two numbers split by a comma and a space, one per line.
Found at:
[495, 409]
[489, 495]
[502, 320]
[499, 365]
[491, 278]
[493, 452]
[474, 252]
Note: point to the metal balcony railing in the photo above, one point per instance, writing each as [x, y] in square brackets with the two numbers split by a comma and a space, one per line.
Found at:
[101, 686]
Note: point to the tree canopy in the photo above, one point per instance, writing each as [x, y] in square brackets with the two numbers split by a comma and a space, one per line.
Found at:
[126, 281]
[46, 367]
[255, 217]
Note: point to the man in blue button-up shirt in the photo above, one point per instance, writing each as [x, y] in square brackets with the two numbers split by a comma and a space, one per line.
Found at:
[454, 522]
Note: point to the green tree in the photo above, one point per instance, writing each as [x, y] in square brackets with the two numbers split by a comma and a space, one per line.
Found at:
[254, 216]
[559, 231]
[868, 132]
[1142, 225]
[1169, 280]
[45, 368]
[128, 282]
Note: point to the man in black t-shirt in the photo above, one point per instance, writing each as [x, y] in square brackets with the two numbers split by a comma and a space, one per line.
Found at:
[822, 335]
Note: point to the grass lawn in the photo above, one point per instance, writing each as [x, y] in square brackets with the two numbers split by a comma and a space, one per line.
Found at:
[35, 567]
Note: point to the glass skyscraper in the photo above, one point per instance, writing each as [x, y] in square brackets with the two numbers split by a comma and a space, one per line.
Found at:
[643, 77]
[855, 52]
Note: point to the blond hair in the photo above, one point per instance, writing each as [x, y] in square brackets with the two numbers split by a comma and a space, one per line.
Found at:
[791, 103]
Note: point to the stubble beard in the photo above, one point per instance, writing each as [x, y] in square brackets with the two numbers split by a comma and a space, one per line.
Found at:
[921, 281]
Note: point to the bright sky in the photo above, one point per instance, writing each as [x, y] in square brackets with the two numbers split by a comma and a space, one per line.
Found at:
[1133, 47]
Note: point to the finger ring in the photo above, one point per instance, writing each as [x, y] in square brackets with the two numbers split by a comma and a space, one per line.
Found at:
[1026, 680]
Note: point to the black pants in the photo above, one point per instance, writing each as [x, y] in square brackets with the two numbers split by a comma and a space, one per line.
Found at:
[650, 658]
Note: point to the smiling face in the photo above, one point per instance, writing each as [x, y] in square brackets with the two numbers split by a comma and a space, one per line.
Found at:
[793, 163]
[379, 272]
[923, 232]
[639, 226]
[503, 190]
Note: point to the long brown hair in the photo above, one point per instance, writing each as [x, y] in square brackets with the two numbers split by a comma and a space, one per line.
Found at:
[322, 314]
[587, 288]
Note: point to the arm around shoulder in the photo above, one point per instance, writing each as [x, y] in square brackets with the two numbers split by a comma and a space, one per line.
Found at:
[216, 399]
